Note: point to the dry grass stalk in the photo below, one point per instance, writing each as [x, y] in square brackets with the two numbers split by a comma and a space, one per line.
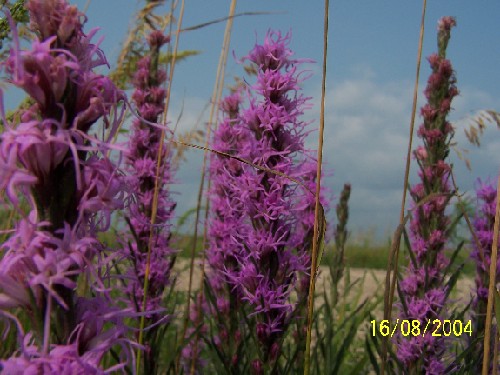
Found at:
[132, 50]
[216, 95]
[318, 208]
[214, 111]
[392, 265]
[247, 162]
[467, 219]
[479, 123]
[156, 189]
[228, 18]
[491, 288]
[189, 136]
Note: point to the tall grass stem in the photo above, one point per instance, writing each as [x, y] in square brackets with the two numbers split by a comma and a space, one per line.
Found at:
[156, 189]
[312, 282]
[467, 219]
[216, 95]
[390, 285]
[491, 287]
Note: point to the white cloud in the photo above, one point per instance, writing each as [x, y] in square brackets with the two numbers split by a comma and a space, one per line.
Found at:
[366, 140]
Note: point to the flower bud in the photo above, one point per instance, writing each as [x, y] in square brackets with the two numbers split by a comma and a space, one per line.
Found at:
[257, 368]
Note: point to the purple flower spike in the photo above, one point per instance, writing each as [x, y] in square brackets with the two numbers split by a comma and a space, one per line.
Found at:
[71, 189]
[262, 223]
[484, 221]
[423, 286]
[148, 247]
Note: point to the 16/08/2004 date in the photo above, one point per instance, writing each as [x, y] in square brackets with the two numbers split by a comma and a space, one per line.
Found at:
[435, 327]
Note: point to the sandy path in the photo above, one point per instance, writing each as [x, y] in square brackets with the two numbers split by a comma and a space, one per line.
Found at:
[372, 284]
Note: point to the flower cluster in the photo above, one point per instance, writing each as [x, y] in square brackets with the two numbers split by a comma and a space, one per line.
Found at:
[423, 288]
[51, 165]
[484, 221]
[262, 224]
[88, 343]
[191, 355]
[483, 225]
[228, 208]
[227, 231]
[141, 161]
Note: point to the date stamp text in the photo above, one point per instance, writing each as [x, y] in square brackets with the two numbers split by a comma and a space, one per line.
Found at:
[435, 327]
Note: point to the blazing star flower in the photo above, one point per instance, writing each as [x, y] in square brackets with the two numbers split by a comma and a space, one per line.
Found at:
[224, 241]
[148, 247]
[85, 348]
[191, 353]
[144, 145]
[423, 285]
[70, 186]
[226, 203]
[483, 223]
[102, 194]
[281, 214]
[262, 224]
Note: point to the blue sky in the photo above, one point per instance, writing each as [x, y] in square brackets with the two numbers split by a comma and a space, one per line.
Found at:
[371, 69]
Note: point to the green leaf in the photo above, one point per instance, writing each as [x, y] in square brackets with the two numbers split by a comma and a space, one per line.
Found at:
[468, 357]
[453, 258]
[371, 355]
[340, 355]
[408, 246]
[453, 280]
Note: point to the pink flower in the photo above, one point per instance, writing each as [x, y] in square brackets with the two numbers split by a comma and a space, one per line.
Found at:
[262, 223]
[421, 153]
[423, 284]
[446, 23]
[70, 187]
